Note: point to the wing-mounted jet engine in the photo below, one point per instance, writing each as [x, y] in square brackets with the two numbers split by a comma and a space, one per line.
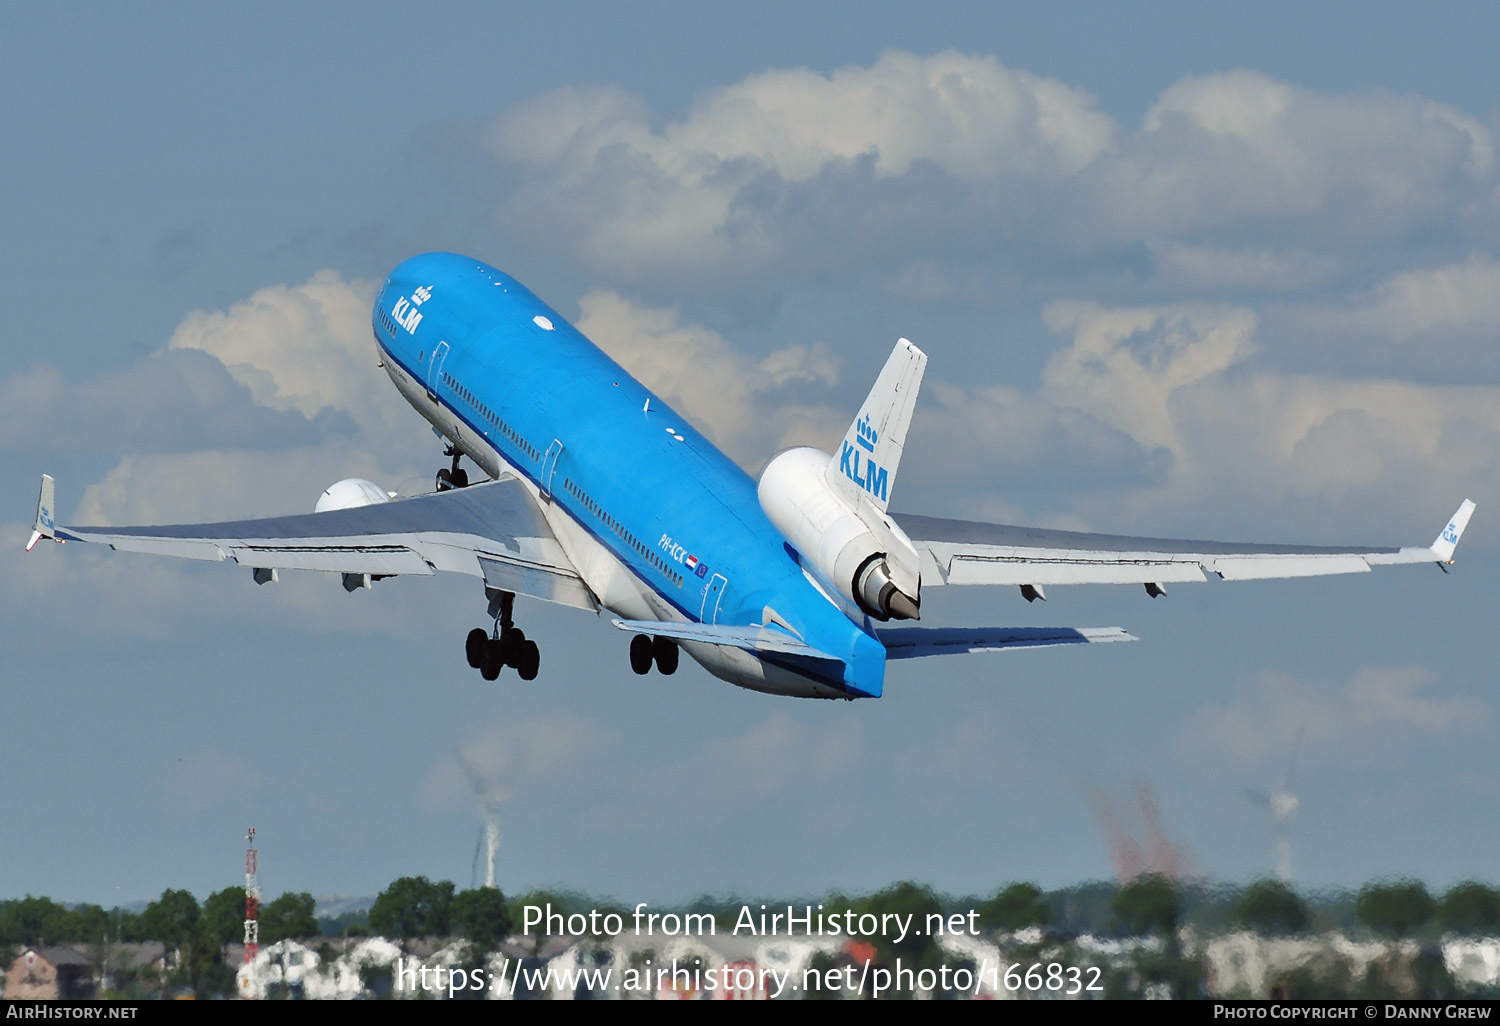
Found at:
[832, 509]
[350, 493]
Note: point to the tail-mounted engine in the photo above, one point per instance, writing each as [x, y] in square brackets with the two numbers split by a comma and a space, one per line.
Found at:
[832, 508]
[852, 547]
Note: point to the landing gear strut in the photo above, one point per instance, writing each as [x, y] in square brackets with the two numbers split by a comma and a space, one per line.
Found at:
[454, 476]
[506, 645]
[645, 650]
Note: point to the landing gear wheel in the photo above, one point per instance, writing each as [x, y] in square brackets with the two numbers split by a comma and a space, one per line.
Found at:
[665, 651]
[474, 646]
[494, 659]
[640, 654]
[444, 480]
[460, 478]
[530, 660]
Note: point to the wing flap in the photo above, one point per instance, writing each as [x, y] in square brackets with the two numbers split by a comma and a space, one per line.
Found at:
[1260, 568]
[376, 560]
[543, 582]
[1067, 567]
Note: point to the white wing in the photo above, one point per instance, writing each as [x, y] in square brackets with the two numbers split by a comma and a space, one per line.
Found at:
[491, 530]
[962, 552]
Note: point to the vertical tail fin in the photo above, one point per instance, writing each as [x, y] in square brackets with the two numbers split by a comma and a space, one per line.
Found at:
[45, 504]
[868, 457]
[1447, 541]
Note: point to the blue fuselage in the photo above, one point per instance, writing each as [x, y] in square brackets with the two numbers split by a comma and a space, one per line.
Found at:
[660, 524]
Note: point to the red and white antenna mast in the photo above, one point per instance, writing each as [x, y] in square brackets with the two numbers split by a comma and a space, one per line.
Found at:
[252, 901]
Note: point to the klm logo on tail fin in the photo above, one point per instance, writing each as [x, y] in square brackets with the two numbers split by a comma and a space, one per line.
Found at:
[864, 471]
[871, 451]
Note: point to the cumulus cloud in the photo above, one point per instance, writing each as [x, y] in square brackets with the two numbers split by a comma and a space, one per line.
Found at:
[973, 440]
[746, 407]
[248, 411]
[730, 186]
[923, 169]
[1431, 323]
[1241, 155]
[306, 348]
[1244, 438]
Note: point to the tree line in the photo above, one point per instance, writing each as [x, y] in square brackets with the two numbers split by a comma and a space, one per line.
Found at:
[416, 907]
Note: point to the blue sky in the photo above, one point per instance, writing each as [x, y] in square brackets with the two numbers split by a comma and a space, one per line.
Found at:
[1179, 269]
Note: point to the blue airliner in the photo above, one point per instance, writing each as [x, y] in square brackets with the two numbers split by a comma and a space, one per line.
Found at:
[600, 496]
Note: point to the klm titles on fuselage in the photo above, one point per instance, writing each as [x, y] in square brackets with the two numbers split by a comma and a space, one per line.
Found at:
[405, 311]
[862, 470]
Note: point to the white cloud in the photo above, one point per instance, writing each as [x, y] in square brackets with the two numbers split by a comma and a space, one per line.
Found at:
[1125, 364]
[306, 348]
[752, 409]
[709, 193]
[301, 405]
[924, 168]
[1245, 439]
[287, 367]
[739, 403]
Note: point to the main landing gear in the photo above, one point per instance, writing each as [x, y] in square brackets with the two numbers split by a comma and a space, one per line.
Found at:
[454, 476]
[645, 650]
[491, 652]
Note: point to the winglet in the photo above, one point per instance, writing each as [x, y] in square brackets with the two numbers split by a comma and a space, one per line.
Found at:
[871, 450]
[1448, 541]
[45, 504]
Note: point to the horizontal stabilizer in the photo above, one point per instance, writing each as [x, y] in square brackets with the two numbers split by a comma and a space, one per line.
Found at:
[912, 642]
[754, 638]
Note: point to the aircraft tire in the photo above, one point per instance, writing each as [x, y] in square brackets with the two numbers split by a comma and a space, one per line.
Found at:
[444, 480]
[474, 646]
[665, 652]
[494, 659]
[459, 478]
[531, 661]
[640, 654]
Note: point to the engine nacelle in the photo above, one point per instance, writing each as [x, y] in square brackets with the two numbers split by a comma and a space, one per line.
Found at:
[349, 493]
[860, 552]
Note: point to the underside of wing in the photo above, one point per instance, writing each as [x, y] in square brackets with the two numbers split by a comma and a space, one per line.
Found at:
[915, 642]
[491, 530]
[964, 552]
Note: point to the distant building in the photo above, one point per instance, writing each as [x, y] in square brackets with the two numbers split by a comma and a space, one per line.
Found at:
[50, 973]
